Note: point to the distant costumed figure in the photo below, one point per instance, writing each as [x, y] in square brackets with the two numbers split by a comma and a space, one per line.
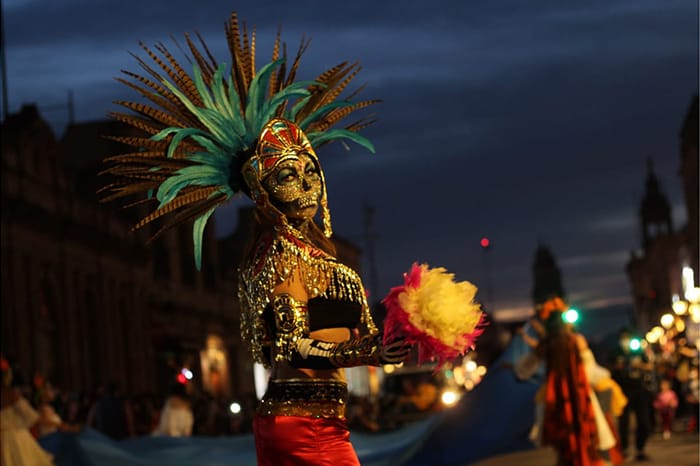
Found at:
[222, 130]
[17, 417]
[597, 378]
[570, 424]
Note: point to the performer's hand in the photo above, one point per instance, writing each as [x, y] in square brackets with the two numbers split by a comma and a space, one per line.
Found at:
[395, 352]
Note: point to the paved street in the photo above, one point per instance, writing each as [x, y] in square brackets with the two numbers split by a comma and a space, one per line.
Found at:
[681, 450]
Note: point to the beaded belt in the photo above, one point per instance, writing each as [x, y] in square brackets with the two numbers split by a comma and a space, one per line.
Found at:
[304, 397]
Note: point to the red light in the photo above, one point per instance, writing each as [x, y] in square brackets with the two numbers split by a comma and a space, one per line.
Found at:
[181, 378]
[484, 242]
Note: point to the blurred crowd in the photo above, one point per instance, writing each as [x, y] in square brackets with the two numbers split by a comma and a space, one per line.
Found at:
[118, 415]
[178, 413]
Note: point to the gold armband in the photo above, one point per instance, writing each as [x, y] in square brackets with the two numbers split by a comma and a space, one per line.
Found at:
[364, 351]
[292, 323]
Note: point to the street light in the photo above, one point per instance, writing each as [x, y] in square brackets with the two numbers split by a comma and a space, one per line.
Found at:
[654, 334]
[667, 321]
[693, 294]
[694, 311]
[680, 307]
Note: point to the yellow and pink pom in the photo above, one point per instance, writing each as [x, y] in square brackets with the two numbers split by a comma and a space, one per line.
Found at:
[435, 313]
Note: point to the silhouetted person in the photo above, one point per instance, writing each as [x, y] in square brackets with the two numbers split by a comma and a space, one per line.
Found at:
[633, 371]
[111, 414]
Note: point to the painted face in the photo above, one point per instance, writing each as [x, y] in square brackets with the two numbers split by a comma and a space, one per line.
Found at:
[295, 186]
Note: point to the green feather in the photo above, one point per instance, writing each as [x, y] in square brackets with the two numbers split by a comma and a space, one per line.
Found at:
[202, 87]
[292, 115]
[196, 175]
[295, 90]
[237, 123]
[198, 233]
[256, 95]
[317, 138]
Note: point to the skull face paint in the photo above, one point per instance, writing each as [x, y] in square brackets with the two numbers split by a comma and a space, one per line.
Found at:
[295, 186]
[284, 177]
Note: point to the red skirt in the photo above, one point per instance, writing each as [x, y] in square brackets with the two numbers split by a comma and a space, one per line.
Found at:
[295, 440]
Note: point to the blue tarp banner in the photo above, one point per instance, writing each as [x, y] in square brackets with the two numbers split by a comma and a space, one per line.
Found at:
[91, 448]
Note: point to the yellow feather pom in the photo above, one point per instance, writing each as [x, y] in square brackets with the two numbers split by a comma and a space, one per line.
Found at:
[441, 307]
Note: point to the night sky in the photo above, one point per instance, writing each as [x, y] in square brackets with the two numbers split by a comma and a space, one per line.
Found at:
[529, 122]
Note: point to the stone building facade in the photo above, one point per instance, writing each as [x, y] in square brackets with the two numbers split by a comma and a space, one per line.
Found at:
[655, 273]
[84, 300]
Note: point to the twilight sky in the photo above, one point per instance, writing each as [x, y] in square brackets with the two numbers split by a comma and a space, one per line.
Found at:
[529, 122]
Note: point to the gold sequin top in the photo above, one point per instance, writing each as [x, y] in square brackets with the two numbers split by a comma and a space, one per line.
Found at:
[273, 261]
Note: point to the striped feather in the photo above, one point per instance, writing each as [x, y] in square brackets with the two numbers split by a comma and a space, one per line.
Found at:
[128, 190]
[176, 203]
[208, 68]
[146, 143]
[275, 79]
[159, 92]
[212, 60]
[172, 74]
[188, 214]
[330, 80]
[146, 110]
[183, 79]
[291, 76]
[148, 157]
[338, 114]
[362, 123]
[245, 57]
[143, 124]
[154, 97]
[233, 36]
[334, 93]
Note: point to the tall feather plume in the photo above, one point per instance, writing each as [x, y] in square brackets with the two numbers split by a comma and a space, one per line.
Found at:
[197, 124]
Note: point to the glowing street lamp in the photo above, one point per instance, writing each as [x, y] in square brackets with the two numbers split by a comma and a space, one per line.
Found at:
[694, 311]
[680, 307]
[693, 294]
[667, 321]
[571, 316]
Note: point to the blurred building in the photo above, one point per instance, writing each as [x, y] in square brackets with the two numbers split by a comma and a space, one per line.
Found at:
[547, 281]
[656, 271]
[84, 300]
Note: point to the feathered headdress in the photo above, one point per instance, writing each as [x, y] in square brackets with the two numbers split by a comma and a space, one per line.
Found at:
[200, 128]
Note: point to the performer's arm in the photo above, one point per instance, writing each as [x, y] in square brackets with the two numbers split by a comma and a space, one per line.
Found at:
[293, 343]
[364, 351]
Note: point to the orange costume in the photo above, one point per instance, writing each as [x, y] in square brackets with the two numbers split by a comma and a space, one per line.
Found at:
[569, 423]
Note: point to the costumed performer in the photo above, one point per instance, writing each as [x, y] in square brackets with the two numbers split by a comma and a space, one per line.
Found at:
[569, 424]
[17, 417]
[304, 315]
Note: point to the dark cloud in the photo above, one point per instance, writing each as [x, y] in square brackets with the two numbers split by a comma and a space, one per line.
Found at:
[529, 122]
